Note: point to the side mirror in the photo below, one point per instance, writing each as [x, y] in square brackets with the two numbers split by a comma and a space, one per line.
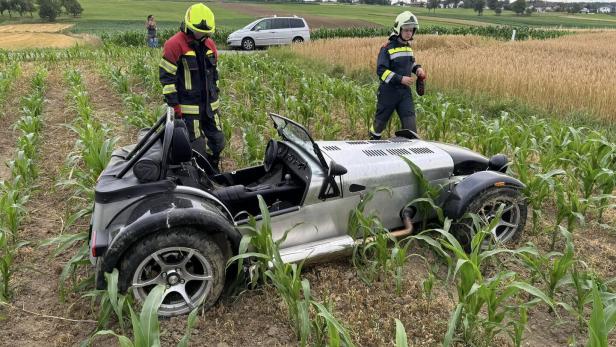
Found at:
[336, 169]
[330, 188]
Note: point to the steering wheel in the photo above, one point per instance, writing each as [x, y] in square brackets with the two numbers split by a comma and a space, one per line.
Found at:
[271, 153]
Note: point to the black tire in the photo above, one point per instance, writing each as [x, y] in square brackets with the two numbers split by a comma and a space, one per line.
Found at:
[298, 39]
[485, 205]
[190, 263]
[248, 44]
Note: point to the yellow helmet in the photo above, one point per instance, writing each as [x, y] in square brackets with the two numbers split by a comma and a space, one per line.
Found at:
[199, 18]
[405, 18]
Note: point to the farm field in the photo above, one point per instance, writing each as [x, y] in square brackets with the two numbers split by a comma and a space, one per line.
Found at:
[69, 107]
[122, 15]
[65, 110]
[564, 76]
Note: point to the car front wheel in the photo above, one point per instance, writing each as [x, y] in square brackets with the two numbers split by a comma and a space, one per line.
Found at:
[188, 263]
[298, 40]
[511, 221]
[248, 44]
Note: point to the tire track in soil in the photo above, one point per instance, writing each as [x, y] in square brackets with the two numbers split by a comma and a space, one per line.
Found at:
[10, 114]
[35, 281]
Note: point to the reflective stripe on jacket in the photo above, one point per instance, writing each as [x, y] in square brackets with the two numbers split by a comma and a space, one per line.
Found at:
[189, 75]
[395, 61]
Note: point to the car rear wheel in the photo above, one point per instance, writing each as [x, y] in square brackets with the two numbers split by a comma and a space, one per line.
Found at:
[510, 224]
[298, 39]
[189, 263]
[248, 44]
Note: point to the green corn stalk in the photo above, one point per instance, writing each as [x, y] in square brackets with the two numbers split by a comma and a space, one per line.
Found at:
[146, 329]
[286, 278]
[477, 293]
[569, 208]
[401, 338]
[602, 320]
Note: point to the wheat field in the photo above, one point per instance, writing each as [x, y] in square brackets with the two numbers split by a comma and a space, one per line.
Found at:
[571, 74]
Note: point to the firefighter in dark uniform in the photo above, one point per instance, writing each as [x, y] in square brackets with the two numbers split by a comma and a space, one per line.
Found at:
[395, 66]
[189, 78]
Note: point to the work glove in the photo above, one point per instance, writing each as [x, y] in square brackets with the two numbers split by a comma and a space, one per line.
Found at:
[177, 111]
[420, 83]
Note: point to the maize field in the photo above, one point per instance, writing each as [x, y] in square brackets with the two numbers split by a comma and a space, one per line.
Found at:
[66, 110]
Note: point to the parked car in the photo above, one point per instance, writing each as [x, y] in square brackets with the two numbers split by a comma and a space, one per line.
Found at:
[270, 31]
[162, 215]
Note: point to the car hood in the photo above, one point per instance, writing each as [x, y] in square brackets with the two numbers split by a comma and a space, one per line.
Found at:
[238, 32]
[380, 162]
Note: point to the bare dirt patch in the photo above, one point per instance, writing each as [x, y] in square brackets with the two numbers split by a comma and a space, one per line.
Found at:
[313, 21]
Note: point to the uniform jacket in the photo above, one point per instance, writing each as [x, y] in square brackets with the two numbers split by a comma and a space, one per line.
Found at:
[395, 61]
[189, 75]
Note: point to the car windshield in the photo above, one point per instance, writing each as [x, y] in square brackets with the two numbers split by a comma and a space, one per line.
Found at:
[297, 134]
[249, 26]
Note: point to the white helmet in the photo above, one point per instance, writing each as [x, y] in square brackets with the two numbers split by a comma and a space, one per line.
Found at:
[405, 18]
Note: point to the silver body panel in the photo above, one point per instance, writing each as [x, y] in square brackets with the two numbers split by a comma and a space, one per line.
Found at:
[371, 164]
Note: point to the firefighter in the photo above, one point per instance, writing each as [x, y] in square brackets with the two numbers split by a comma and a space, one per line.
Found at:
[395, 66]
[189, 78]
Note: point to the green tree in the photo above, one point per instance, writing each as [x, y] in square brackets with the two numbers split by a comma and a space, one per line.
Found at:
[28, 6]
[493, 4]
[519, 6]
[49, 9]
[478, 6]
[4, 6]
[73, 7]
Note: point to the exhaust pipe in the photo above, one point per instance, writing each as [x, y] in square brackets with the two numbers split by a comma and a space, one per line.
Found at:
[407, 215]
[341, 245]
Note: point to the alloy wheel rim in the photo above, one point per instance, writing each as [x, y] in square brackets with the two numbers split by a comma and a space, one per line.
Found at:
[186, 274]
[509, 220]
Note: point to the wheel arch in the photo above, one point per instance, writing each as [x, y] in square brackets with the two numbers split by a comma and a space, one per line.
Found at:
[470, 187]
[249, 38]
[207, 219]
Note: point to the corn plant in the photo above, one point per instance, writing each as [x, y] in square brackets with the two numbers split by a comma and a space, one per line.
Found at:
[569, 206]
[7, 76]
[110, 301]
[477, 293]
[602, 320]
[80, 258]
[425, 204]
[311, 320]
[145, 326]
[401, 338]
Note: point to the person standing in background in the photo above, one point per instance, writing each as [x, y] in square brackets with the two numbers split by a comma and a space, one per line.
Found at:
[150, 25]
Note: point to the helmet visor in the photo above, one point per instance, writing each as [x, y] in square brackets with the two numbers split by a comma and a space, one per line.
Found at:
[407, 28]
[202, 26]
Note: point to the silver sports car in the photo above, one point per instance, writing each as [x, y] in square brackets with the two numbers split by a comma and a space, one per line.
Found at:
[163, 215]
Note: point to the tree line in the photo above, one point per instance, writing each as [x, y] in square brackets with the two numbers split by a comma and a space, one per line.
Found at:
[47, 9]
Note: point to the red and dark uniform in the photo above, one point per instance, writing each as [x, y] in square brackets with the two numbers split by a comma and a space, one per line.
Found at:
[189, 78]
[395, 61]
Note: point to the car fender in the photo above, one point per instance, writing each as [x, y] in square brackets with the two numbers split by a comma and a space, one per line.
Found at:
[167, 218]
[467, 189]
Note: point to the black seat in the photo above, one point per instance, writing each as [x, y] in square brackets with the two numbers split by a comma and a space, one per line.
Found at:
[180, 151]
[147, 169]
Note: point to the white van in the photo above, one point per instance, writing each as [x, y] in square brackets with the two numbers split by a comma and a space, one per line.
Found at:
[270, 31]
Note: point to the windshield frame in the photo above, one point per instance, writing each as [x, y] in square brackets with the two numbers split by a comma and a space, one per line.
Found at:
[315, 148]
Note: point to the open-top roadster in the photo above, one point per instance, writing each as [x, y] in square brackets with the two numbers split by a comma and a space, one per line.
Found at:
[162, 215]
